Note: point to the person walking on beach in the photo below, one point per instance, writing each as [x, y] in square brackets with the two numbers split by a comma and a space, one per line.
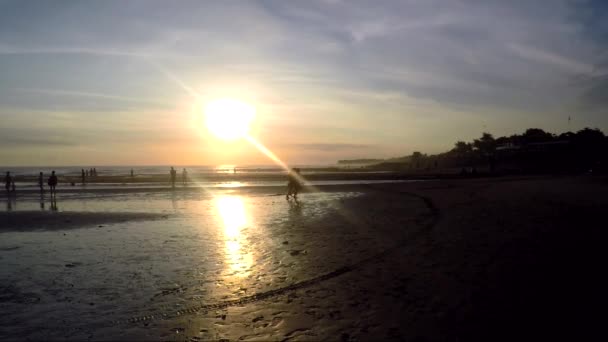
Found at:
[53, 183]
[185, 177]
[41, 182]
[293, 184]
[173, 174]
[83, 176]
[7, 182]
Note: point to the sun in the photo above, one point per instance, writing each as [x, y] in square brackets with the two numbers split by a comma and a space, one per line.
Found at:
[229, 119]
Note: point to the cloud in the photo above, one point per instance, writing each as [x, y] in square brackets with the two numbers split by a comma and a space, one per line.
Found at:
[328, 147]
[421, 67]
[595, 96]
[546, 57]
[74, 93]
[11, 138]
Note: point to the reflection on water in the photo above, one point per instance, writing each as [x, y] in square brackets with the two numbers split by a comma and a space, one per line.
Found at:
[236, 224]
[54, 203]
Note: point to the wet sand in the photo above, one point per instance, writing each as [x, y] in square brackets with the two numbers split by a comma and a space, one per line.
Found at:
[490, 259]
[23, 221]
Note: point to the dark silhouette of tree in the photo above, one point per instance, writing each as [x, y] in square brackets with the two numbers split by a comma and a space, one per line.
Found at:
[486, 145]
[536, 135]
[533, 151]
[416, 159]
[462, 148]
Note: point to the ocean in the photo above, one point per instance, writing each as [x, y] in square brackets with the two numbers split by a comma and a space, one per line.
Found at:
[222, 176]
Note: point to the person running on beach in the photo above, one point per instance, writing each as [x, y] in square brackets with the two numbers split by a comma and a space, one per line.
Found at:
[53, 183]
[41, 182]
[185, 177]
[173, 174]
[293, 185]
[7, 181]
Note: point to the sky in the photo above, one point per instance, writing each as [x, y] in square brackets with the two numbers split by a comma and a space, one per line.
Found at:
[124, 82]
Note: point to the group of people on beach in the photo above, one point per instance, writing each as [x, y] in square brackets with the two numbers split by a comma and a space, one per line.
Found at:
[9, 183]
[294, 184]
[173, 175]
[84, 174]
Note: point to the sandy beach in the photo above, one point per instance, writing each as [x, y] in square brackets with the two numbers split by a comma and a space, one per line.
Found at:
[479, 259]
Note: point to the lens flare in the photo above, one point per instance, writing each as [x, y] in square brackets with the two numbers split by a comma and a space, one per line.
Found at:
[229, 119]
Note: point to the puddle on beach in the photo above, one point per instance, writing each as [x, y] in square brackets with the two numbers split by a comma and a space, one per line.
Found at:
[72, 283]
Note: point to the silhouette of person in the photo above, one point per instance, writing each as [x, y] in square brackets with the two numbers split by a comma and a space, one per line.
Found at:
[293, 185]
[83, 176]
[173, 174]
[7, 181]
[95, 171]
[53, 183]
[185, 177]
[41, 182]
[132, 174]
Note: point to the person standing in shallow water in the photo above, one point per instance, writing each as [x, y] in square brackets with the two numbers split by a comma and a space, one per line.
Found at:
[8, 180]
[173, 174]
[184, 177]
[293, 185]
[53, 183]
[41, 182]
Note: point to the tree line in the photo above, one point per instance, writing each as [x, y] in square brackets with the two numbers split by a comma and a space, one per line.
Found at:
[535, 150]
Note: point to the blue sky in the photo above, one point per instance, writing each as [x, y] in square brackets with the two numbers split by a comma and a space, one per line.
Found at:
[112, 82]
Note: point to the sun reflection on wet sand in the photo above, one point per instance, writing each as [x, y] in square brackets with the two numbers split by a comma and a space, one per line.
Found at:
[236, 224]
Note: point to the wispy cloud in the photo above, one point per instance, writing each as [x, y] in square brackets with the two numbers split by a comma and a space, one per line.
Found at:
[74, 93]
[421, 73]
[553, 59]
[328, 147]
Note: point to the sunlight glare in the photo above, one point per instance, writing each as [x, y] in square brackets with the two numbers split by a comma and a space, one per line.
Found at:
[232, 212]
[229, 119]
[234, 217]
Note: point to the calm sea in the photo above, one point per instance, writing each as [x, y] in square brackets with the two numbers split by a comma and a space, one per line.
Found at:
[149, 170]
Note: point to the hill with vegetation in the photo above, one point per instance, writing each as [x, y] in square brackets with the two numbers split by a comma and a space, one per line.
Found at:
[535, 150]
